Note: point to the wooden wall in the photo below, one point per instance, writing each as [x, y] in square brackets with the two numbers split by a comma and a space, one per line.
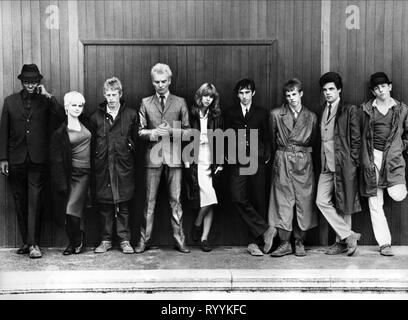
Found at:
[296, 26]
[378, 45]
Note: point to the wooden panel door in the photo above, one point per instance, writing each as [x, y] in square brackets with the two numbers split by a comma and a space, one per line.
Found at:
[192, 64]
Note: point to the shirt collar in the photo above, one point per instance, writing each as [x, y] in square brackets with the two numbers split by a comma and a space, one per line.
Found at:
[113, 113]
[166, 96]
[203, 116]
[294, 111]
[393, 103]
[334, 104]
[243, 108]
[25, 95]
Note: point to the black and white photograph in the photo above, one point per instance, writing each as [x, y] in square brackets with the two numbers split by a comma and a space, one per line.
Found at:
[203, 155]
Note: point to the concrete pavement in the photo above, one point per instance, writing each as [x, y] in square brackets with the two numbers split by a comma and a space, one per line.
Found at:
[224, 271]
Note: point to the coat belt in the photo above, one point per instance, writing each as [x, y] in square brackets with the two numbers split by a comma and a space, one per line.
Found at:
[294, 148]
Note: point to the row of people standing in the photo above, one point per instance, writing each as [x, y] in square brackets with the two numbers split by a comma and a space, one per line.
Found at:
[106, 143]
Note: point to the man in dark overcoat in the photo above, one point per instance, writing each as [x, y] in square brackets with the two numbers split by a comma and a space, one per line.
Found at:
[339, 154]
[114, 127]
[24, 132]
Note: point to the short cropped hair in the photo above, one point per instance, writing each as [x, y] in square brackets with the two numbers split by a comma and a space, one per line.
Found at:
[245, 84]
[161, 68]
[291, 85]
[112, 84]
[331, 77]
[73, 97]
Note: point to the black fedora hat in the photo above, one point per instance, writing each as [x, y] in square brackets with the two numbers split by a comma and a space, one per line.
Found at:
[30, 72]
[378, 78]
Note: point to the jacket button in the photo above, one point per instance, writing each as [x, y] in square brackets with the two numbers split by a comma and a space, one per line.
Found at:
[108, 185]
[28, 131]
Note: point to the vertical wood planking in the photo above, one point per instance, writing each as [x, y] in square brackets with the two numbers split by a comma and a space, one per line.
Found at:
[95, 29]
[289, 41]
[26, 31]
[280, 62]
[379, 25]
[73, 48]
[351, 61]
[298, 54]
[271, 33]
[315, 57]
[67, 65]
[35, 32]
[360, 92]
[118, 51]
[9, 227]
[3, 179]
[17, 63]
[306, 67]
[396, 57]
[17, 41]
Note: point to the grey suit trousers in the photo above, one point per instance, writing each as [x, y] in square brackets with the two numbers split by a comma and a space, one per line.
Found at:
[173, 181]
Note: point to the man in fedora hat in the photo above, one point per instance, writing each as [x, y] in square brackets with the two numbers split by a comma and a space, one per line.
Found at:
[384, 133]
[23, 151]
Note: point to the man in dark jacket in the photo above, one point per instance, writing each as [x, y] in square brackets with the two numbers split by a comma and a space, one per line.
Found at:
[340, 146]
[384, 132]
[114, 129]
[24, 132]
[247, 188]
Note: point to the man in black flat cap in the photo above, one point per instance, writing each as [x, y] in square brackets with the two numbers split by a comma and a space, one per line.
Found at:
[24, 151]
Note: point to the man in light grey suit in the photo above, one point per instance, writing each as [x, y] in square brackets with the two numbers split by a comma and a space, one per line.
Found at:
[163, 122]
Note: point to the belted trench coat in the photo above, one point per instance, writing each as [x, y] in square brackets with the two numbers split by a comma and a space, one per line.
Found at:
[293, 179]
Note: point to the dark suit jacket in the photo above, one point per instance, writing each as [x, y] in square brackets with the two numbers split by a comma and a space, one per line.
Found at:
[257, 118]
[25, 133]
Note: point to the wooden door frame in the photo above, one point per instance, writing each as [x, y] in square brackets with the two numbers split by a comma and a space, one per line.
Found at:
[269, 43]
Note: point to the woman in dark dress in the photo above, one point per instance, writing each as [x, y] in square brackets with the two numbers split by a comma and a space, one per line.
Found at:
[70, 167]
[205, 115]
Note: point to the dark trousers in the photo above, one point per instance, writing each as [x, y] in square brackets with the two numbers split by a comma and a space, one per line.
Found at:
[108, 213]
[248, 198]
[27, 183]
[73, 229]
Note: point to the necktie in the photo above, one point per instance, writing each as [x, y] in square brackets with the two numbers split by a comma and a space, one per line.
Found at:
[329, 111]
[162, 102]
[246, 113]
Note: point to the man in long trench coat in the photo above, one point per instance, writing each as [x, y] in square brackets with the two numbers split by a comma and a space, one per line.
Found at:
[340, 147]
[293, 129]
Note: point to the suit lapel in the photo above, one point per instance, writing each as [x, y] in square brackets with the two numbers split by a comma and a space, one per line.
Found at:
[250, 113]
[339, 109]
[287, 118]
[239, 113]
[157, 103]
